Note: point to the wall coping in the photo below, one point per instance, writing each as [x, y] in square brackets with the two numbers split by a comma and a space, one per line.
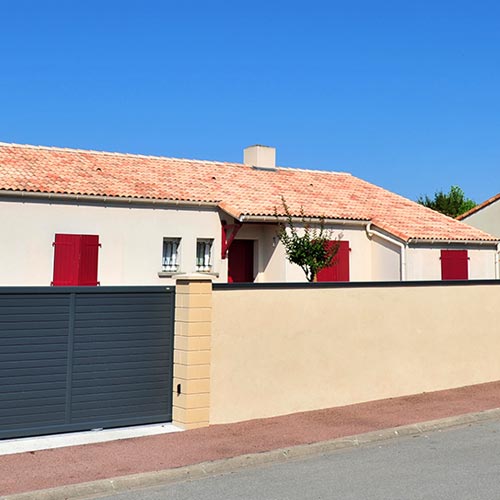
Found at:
[194, 277]
[352, 284]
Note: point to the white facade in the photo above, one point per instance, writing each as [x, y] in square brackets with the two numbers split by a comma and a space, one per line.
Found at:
[132, 238]
[425, 263]
[487, 218]
[386, 260]
[370, 259]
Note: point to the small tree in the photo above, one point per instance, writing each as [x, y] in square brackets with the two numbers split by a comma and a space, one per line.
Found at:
[452, 204]
[313, 250]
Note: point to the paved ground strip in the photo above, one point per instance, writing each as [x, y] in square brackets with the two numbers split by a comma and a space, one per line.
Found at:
[454, 464]
[51, 468]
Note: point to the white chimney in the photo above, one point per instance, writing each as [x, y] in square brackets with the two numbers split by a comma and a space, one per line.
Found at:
[260, 157]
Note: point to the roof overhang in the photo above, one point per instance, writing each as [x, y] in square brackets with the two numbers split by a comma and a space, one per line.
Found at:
[110, 200]
[273, 219]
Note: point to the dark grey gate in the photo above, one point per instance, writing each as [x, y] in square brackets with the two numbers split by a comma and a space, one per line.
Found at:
[78, 358]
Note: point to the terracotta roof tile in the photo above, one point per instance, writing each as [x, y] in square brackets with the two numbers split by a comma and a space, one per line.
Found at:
[236, 188]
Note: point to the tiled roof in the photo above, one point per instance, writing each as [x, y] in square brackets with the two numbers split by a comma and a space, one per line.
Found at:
[489, 201]
[238, 189]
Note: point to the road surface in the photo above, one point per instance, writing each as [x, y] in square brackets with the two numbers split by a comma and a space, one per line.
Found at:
[456, 464]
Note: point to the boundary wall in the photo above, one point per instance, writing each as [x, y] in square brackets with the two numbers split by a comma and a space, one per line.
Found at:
[276, 349]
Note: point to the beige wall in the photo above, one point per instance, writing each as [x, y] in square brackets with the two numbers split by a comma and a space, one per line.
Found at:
[131, 238]
[486, 219]
[281, 351]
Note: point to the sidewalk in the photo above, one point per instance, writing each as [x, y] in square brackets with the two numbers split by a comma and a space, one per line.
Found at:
[77, 464]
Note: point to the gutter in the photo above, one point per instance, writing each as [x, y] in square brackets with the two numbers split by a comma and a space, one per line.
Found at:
[425, 241]
[370, 232]
[274, 219]
[28, 195]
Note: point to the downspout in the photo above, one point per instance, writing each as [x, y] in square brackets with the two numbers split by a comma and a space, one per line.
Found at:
[370, 232]
[497, 262]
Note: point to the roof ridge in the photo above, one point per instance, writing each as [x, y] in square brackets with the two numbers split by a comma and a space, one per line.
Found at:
[115, 153]
[314, 171]
[159, 157]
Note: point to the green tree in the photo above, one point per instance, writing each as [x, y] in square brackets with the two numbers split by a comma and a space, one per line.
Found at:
[312, 247]
[452, 204]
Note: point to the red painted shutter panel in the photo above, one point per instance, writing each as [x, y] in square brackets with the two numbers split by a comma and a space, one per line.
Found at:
[66, 257]
[89, 253]
[454, 265]
[342, 259]
[75, 260]
[339, 270]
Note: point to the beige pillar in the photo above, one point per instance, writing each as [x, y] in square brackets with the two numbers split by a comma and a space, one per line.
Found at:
[192, 346]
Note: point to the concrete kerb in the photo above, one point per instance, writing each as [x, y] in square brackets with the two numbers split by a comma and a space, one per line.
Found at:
[189, 472]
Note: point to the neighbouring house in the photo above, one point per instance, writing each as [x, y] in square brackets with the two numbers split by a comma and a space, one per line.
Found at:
[485, 216]
[74, 217]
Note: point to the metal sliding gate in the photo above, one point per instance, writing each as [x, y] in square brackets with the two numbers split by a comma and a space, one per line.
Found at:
[79, 358]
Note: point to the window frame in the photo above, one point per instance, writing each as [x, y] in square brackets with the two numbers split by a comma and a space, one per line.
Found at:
[171, 268]
[204, 267]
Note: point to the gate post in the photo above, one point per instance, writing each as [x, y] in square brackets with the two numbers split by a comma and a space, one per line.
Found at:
[192, 351]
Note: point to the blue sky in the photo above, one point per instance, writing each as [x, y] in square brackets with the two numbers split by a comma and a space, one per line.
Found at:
[403, 94]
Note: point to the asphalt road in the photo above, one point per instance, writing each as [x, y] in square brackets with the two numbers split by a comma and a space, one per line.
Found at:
[457, 464]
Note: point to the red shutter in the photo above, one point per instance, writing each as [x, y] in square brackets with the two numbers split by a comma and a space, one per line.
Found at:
[66, 257]
[339, 270]
[454, 265]
[89, 252]
[75, 260]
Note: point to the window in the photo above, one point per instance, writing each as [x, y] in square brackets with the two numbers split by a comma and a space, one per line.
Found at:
[454, 265]
[339, 269]
[75, 260]
[204, 255]
[170, 260]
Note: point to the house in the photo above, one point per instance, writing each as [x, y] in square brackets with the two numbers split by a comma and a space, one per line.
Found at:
[75, 217]
[485, 216]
